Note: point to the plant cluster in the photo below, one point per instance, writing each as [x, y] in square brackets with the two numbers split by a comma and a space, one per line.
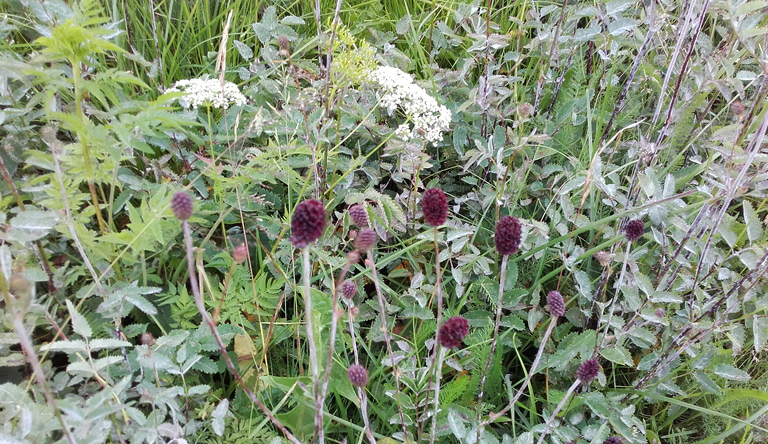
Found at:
[498, 223]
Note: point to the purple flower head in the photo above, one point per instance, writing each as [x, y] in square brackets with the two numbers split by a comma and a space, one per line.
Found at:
[307, 223]
[634, 229]
[453, 332]
[348, 289]
[240, 254]
[359, 215]
[613, 440]
[434, 205]
[556, 304]
[508, 234]
[181, 204]
[588, 370]
[366, 239]
[357, 375]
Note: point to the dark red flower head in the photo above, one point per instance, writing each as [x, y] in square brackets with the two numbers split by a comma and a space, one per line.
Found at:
[508, 234]
[434, 205]
[365, 239]
[357, 375]
[359, 215]
[613, 440]
[556, 304]
[307, 223]
[634, 229]
[453, 332]
[348, 289]
[181, 204]
[588, 370]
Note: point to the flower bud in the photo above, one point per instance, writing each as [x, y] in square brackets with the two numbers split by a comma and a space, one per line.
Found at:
[634, 230]
[357, 375]
[240, 254]
[181, 204]
[348, 289]
[556, 304]
[359, 215]
[366, 239]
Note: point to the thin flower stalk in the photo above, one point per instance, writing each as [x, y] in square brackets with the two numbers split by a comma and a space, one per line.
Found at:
[438, 377]
[209, 321]
[319, 432]
[559, 407]
[496, 323]
[531, 372]
[383, 308]
[360, 390]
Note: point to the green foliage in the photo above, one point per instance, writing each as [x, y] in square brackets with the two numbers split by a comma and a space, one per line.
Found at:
[551, 123]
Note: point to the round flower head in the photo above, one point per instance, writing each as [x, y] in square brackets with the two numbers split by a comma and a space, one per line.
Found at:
[434, 205]
[181, 204]
[357, 375]
[613, 440]
[588, 370]
[348, 289]
[307, 223]
[556, 304]
[508, 234]
[366, 239]
[359, 215]
[240, 254]
[634, 229]
[453, 332]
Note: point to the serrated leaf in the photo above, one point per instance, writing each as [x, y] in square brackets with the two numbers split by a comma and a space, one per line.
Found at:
[198, 390]
[706, 383]
[99, 344]
[456, 424]
[206, 365]
[31, 225]
[73, 346]
[141, 303]
[754, 229]
[245, 51]
[218, 416]
[79, 323]
[172, 339]
[618, 355]
[760, 332]
[731, 373]
[292, 20]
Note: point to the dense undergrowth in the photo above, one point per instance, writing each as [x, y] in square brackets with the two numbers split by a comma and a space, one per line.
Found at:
[625, 139]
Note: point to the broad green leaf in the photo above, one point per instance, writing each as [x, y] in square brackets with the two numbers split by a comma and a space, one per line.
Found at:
[731, 373]
[31, 225]
[244, 50]
[456, 425]
[79, 323]
[218, 416]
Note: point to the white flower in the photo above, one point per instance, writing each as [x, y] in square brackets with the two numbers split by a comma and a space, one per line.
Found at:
[429, 119]
[208, 92]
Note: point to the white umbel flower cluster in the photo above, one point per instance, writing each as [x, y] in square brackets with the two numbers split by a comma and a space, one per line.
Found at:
[201, 92]
[427, 119]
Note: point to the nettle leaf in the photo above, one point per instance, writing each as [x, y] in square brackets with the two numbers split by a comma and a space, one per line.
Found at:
[79, 323]
[731, 373]
[618, 355]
